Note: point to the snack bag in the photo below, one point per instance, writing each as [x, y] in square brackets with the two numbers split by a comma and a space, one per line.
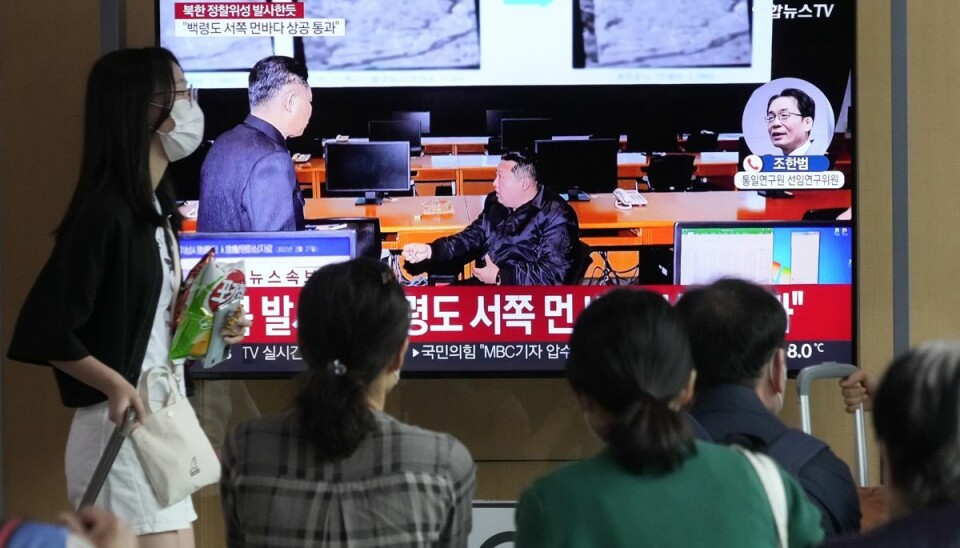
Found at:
[186, 289]
[225, 316]
[214, 286]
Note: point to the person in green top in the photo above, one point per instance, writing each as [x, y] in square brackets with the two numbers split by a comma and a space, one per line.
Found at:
[631, 372]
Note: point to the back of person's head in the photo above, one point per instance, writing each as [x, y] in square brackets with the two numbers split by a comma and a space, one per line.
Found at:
[629, 354]
[739, 326]
[806, 105]
[917, 418]
[353, 321]
[270, 75]
[524, 167]
[129, 95]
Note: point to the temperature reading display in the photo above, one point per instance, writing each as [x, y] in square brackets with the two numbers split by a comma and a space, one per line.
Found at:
[803, 350]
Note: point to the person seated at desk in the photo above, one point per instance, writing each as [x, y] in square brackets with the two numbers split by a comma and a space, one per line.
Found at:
[526, 233]
[739, 354]
[790, 118]
[247, 182]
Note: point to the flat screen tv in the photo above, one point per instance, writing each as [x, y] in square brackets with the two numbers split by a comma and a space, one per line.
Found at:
[591, 69]
[809, 263]
[276, 265]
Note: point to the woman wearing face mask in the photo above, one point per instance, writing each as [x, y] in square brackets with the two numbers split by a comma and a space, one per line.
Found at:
[100, 312]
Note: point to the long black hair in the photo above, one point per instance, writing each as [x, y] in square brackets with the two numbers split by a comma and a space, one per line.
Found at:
[629, 353]
[917, 417]
[119, 124]
[353, 319]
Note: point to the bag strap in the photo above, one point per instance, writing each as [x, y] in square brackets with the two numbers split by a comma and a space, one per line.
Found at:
[160, 373]
[772, 482]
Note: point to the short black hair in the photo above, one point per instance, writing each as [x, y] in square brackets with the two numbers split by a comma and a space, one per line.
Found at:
[737, 327]
[525, 165]
[806, 105]
[270, 74]
[916, 414]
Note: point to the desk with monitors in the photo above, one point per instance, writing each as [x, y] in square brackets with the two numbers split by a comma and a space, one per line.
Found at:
[402, 220]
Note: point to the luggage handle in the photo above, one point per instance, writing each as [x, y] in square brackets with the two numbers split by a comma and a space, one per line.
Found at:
[827, 370]
[120, 433]
[831, 370]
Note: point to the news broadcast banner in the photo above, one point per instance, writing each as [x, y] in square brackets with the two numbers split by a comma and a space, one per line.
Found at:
[480, 331]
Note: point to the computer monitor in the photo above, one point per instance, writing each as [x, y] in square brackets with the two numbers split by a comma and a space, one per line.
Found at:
[520, 134]
[421, 116]
[397, 130]
[276, 265]
[650, 141]
[574, 168]
[764, 252]
[495, 116]
[371, 168]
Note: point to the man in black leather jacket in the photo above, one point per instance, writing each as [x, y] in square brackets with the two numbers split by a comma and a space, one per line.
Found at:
[526, 234]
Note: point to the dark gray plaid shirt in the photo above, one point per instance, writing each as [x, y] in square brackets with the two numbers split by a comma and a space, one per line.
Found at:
[404, 486]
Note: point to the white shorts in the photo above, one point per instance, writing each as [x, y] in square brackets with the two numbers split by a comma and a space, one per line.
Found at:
[126, 492]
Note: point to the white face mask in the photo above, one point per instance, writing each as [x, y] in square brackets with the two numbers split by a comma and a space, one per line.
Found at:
[185, 137]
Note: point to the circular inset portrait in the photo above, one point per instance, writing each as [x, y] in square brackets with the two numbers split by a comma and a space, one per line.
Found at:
[788, 116]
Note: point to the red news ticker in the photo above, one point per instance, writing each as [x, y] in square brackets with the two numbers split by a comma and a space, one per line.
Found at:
[238, 10]
[537, 314]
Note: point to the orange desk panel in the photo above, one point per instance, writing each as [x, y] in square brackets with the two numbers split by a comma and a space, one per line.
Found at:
[401, 220]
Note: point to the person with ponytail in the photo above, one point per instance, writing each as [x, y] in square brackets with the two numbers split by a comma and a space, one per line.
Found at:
[335, 469]
[653, 484]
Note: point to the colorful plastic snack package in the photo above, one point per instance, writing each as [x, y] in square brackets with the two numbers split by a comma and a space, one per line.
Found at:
[212, 293]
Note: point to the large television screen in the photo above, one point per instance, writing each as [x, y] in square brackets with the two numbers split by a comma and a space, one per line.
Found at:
[276, 265]
[748, 169]
[346, 43]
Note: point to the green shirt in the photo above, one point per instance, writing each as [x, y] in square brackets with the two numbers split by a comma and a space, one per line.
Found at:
[713, 499]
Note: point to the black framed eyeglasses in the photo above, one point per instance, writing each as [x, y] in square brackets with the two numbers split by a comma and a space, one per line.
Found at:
[783, 116]
[190, 93]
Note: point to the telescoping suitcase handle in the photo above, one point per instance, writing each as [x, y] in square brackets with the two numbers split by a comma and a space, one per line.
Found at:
[120, 433]
[833, 370]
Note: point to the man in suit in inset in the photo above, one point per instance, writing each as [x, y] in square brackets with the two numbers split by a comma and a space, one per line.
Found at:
[790, 117]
